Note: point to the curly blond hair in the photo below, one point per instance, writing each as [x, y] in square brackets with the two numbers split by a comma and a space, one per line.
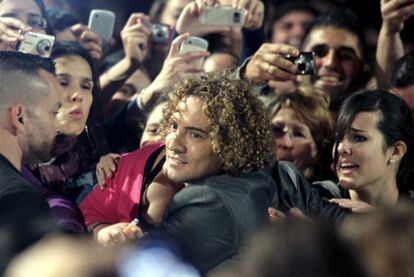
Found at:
[239, 127]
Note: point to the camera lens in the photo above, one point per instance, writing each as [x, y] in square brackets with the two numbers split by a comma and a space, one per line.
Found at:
[301, 67]
[159, 33]
[236, 17]
[43, 47]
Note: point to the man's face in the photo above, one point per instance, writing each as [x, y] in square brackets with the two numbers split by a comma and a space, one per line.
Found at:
[26, 11]
[41, 123]
[188, 145]
[338, 60]
[290, 28]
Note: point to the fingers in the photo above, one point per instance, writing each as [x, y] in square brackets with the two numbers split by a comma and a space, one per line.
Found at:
[275, 215]
[88, 40]
[106, 168]
[175, 45]
[136, 18]
[78, 29]
[10, 30]
[15, 24]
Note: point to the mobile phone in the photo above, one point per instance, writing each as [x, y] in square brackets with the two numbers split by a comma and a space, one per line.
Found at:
[223, 16]
[194, 44]
[36, 44]
[102, 23]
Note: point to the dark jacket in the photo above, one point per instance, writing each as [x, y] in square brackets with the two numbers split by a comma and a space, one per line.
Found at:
[294, 190]
[24, 216]
[211, 218]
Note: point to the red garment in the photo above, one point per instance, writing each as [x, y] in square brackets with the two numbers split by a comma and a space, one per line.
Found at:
[119, 201]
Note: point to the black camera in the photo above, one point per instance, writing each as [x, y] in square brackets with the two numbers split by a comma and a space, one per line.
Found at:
[160, 33]
[305, 63]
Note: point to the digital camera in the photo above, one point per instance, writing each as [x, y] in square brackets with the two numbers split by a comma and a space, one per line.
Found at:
[36, 44]
[223, 16]
[305, 63]
[160, 33]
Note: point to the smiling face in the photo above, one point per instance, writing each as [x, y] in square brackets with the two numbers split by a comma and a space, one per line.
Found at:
[362, 160]
[26, 11]
[294, 141]
[338, 60]
[189, 151]
[75, 76]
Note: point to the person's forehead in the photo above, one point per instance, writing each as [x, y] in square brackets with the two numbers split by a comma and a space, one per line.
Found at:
[296, 16]
[333, 38]
[19, 7]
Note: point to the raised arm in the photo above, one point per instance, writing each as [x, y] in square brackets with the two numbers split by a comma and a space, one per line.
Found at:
[390, 46]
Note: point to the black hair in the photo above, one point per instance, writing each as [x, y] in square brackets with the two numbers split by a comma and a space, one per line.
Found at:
[341, 19]
[93, 134]
[275, 11]
[395, 124]
[60, 19]
[402, 75]
[25, 63]
[42, 7]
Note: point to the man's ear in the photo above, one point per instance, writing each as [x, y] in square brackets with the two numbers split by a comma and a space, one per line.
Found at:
[17, 118]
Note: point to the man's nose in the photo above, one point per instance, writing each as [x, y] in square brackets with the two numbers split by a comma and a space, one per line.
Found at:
[285, 140]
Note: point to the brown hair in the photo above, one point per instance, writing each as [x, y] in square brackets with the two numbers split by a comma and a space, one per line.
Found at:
[239, 127]
[313, 111]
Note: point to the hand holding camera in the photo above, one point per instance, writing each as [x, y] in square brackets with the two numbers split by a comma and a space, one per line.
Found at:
[270, 62]
[10, 32]
[135, 37]
[177, 66]
[248, 14]
[189, 22]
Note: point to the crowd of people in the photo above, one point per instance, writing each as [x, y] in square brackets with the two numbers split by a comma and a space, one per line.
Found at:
[288, 151]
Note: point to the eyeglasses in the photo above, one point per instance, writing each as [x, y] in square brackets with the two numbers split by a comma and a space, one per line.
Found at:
[36, 22]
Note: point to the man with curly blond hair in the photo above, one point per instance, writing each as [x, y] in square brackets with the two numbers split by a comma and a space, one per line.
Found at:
[218, 146]
[218, 143]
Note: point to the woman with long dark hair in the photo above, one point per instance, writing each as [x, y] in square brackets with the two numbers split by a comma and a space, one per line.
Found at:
[373, 153]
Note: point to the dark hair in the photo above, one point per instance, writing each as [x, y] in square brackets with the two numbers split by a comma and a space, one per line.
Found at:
[341, 19]
[395, 124]
[25, 63]
[93, 134]
[298, 248]
[275, 11]
[61, 19]
[402, 75]
[156, 10]
[42, 7]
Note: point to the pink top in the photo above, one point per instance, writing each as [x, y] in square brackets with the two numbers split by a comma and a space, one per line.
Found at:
[119, 201]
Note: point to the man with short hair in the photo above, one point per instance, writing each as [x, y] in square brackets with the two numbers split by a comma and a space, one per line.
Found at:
[339, 47]
[29, 102]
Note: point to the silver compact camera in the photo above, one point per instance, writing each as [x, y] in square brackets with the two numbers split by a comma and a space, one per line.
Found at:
[36, 44]
[223, 16]
[160, 33]
[305, 63]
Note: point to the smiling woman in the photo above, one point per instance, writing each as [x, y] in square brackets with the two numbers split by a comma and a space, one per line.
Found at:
[373, 151]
